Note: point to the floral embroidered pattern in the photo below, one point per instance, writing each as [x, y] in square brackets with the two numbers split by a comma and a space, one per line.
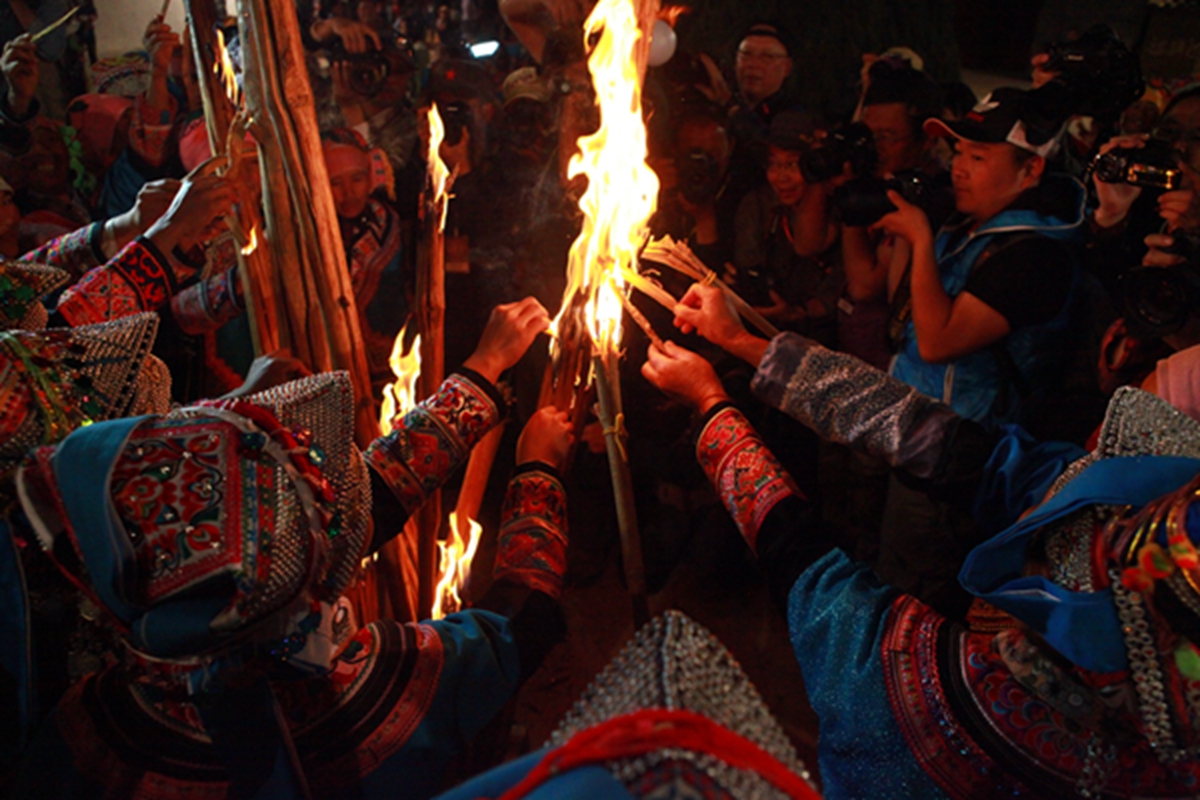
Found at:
[189, 501]
[77, 252]
[433, 440]
[532, 547]
[135, 280]
[207, 305]
[980, 732]
[747, 476]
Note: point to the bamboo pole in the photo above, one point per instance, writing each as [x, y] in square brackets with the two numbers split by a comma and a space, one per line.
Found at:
[431, 322]
[612, 419]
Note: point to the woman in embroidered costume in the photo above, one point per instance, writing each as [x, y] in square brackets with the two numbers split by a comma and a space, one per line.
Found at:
[1079, 676]
[218, 548]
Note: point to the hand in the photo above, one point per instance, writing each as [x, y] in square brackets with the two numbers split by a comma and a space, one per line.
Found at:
[354, 34]
[270, 370]
[717, 90]
[510, 330]
[1116, 198]
[196, 206]
[152, 202]
[907, 221]
[684, 376]
[707, 311]
[160, 42]
[547, 437]
[1041, 76]
[781, 310]
[19, 63]
[1157, 255]
[1178, 209]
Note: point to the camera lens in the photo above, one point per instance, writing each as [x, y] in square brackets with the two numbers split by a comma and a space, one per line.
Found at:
[1158, 300]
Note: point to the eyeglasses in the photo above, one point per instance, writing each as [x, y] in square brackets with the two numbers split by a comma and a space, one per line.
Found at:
[758, 55]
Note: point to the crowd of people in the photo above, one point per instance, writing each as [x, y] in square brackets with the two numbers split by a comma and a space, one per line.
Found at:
[966, 467]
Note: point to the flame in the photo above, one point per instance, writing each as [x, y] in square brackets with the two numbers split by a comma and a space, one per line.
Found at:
[400, 396]
[224, 69]
[622, 190]
[439, 175]
[671, 14]
[455, 556]
[252, 244]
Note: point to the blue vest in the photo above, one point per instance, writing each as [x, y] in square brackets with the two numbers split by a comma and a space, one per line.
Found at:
[972, 385]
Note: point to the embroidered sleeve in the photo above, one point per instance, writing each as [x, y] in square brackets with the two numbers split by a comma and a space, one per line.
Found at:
[137, 279]
[532, 548]
[434, 439]
[149, 134]
[76, 252]
[847, 401]
[747, 476]
[209, 304]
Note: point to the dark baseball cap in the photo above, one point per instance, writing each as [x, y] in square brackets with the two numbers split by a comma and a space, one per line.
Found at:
[995, 119]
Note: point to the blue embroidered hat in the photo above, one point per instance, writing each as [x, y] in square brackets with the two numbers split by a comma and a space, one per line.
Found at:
[211, 534]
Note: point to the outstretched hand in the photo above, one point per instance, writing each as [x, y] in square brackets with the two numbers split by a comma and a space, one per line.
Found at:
[510, 330]
[198, 204]
[708, 311]
[270, 370]
[684, 376]
[19, 64]
[546, 438]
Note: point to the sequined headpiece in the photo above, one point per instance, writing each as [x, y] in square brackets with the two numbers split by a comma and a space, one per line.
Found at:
[1118, 531]
[54, 380]
[675, 663]
[23, 285]
[221, 528]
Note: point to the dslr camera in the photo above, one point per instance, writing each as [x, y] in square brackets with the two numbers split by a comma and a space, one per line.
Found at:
[370, 70]
[699, 177]
[1097, 76]
[1152, 166]
[864, 201]
[850, 144]
[1160, 300]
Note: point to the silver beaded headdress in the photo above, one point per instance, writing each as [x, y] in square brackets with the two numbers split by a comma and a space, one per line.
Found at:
[1140, 424]
[54, 380]
[23, 285]
[675, 663]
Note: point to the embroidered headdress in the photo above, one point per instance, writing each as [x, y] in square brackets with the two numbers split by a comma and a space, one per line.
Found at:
[23, 285]
[215, 534]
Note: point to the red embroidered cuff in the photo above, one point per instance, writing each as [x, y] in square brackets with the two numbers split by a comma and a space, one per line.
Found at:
[532, 548]
[137, 279]
[433, 440]
[747, 476]
[207, 305]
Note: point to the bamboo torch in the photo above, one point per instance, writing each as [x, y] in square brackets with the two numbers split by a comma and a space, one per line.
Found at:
[619, 200]
[431, 322]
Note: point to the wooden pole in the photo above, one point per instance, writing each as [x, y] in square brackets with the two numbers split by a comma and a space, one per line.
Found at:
[301, 220]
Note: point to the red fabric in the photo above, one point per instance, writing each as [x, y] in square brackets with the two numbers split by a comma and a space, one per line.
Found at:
[653, 729]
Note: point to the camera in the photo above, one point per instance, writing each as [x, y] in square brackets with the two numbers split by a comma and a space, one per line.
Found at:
[370, 70]
[456, 117]
[1160, 300]
[1097, 76]
[1153, 166]
[699, 177]
[864, 201]
[851, 144]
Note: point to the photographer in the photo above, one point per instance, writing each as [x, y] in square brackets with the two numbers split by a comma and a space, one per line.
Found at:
[990, 293]
[702, 151]
[897, 101]
[785, 258]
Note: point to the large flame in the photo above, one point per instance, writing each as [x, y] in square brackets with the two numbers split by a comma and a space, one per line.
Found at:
[622, 190]
[400, 396]
[455, 557]
[224, 69]
[438, 173]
